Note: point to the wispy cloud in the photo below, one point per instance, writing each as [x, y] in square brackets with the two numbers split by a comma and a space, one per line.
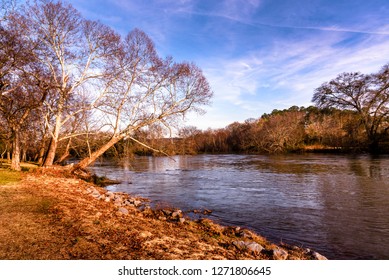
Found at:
[379, 31]
[287, 73]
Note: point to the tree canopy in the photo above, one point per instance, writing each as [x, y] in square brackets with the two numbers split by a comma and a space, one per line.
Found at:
[366, 94]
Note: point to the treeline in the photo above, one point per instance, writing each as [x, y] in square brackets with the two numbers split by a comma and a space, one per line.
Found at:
[295, 129]
[290, 130]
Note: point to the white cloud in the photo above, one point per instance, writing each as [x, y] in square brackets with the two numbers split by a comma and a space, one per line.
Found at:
[289, 71]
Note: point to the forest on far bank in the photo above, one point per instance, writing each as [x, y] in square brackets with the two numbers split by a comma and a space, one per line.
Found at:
[297, 129]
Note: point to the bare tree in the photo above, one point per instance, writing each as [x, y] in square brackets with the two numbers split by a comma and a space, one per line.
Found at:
[147, 90]
[73, 51]
[20, 92]
[6, 7]
[282, 132]
[188, 143]
[368, 95]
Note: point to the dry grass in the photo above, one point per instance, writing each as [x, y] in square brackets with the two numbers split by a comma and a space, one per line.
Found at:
[55, 217]
[26, 166]
[8, 177]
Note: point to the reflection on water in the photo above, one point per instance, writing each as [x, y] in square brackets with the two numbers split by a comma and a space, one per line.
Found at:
[337, 205]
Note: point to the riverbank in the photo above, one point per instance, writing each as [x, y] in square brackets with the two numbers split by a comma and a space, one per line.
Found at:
[48, 214]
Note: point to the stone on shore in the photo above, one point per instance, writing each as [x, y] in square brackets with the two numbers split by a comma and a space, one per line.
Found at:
[279, 254]
[177, 214]
[123, 210]
[318, 256]
[252, 247]
[145, 234]
[315, 255]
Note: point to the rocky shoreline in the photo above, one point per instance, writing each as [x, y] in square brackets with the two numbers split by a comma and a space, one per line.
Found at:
[125, 204]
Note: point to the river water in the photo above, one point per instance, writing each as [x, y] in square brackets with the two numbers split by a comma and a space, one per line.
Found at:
[337, 205]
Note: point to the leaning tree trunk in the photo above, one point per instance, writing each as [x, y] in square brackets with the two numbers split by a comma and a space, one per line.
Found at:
[49, 160]
[66, 153]
[96, 154]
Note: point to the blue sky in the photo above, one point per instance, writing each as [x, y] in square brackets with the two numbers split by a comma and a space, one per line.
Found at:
[258, 55]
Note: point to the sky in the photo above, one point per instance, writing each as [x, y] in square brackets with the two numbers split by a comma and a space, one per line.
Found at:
[258, 55]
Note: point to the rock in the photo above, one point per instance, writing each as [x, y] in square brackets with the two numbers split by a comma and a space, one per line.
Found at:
[177, 214]
[111, 195]
[182, 220]
[123, 210]
[254, 247]
[239, 244]
[107, 199]
[90, 190]
[145, 234]
[95, 193]
[318, 256]
[167, 212]
[137, 203]
[162, 218]
[279, 254]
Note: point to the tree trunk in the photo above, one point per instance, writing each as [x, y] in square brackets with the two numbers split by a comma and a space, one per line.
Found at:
[24, 155]
[49, 160]
[5, 150]
[15, 163]
[66, 153]
[96, 154]
[55, 136]
[51, 152]
[41, 155]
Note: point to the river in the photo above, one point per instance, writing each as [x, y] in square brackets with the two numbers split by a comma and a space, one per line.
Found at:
[337, 205]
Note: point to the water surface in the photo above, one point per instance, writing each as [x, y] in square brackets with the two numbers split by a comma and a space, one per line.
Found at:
[335, 204]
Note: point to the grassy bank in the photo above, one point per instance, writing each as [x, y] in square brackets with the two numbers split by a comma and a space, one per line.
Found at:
[47, 214]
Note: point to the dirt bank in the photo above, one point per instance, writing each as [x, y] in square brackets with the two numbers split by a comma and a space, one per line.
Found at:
[49, 215]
